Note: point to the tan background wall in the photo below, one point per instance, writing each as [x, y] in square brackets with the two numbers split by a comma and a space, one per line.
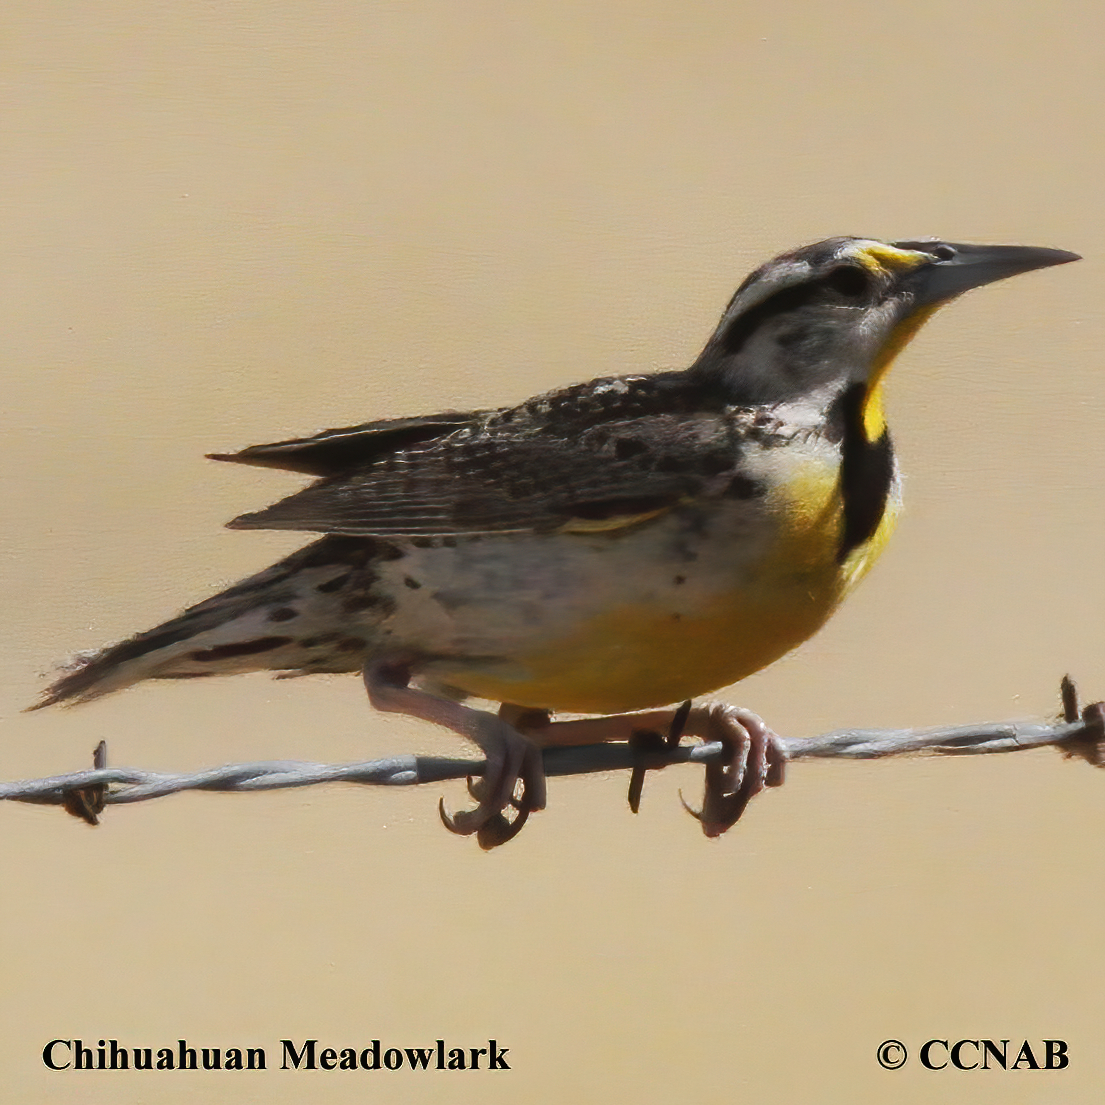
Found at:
[228, 223]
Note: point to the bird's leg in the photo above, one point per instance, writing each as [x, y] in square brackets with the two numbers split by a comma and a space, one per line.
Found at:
[510, 755]
[755, 755]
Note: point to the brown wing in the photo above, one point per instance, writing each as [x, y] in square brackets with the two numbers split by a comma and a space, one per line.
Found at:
[508, 475]
[332, 451]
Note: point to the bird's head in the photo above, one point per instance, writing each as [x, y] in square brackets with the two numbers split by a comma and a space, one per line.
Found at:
[834, 314]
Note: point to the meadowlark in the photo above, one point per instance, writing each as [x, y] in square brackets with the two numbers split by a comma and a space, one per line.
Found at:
[608, 548]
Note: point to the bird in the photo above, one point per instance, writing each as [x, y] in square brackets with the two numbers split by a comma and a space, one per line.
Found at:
[608, 549]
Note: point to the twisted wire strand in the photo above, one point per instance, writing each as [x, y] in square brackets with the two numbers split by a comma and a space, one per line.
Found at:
[84, 793]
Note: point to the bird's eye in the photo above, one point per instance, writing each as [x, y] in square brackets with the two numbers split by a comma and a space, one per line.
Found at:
[942, 253]
[849, 281]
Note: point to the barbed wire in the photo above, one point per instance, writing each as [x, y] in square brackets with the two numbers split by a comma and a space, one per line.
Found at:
[85, 793]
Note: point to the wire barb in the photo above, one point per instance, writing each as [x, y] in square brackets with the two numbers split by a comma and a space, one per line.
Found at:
[87, 803]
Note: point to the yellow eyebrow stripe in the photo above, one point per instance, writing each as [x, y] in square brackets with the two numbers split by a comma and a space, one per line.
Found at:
[878, 255]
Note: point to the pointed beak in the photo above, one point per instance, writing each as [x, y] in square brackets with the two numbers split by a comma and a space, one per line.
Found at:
[956, 268]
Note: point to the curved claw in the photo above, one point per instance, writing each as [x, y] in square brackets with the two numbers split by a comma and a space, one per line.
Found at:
[723, 811]
[498, 830]
[696, 814]
[454, 822]
[490, 831]
[465, 822]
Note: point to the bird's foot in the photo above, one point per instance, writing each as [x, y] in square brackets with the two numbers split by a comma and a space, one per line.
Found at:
[755, 758]
[514, 776]
[513, 782]
[525, 778]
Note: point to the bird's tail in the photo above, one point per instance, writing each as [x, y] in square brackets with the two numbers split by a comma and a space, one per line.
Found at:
[245, 628]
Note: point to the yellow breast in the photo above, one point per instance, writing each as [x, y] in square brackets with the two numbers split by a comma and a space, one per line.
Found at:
[635, 654]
